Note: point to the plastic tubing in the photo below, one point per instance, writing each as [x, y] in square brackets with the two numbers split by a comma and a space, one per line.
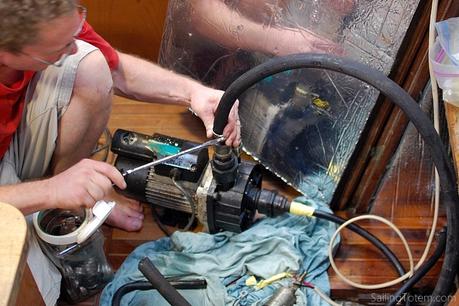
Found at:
[399, 97]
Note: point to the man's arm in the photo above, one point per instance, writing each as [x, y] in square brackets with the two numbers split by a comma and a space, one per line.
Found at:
[138, 79]
[27, 197]
[79, 186]
[220, 23]
[141, 80]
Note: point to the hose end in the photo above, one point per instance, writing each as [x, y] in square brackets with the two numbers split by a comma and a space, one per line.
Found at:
[299, 209]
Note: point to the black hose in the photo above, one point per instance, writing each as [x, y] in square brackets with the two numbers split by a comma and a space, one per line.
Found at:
[161, 284]
[144, 286]
[398, 96]
[421, 272]
[367, 235]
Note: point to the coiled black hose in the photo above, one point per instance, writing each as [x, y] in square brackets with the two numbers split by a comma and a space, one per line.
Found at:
[398, 96]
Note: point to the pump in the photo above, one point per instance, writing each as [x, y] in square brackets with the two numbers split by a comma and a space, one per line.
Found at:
[224, 192]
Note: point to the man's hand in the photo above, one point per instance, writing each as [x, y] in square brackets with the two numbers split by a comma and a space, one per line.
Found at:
[140, 80]
[342, 7]
[204, 103]
[83, 184]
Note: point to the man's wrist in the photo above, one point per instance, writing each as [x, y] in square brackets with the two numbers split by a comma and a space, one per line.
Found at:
[48, 195]
[191, 88]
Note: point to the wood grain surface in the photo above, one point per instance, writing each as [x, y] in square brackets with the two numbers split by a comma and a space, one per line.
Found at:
[13, 251]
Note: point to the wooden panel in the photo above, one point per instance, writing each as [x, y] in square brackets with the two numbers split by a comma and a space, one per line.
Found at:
[29, 291]
[134, 27]
[454, 301]
[13, 252]
[452, 117]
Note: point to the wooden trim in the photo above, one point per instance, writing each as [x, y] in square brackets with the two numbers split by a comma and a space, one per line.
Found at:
[13, 253]
[452, 118]
[28, 291]
[389, 123]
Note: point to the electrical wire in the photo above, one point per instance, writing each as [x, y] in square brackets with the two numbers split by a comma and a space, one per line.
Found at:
[325, 297]
[433, 226]
[190, 201]
[161, 226]
[106, 147]
[375, 286]
[319, 292]
[367, 235]
[174, 175]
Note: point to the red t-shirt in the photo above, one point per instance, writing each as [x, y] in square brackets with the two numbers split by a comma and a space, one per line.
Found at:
[12, 96]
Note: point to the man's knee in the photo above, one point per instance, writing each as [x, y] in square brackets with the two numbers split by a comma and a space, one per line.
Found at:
[87, 114]
[93, 83]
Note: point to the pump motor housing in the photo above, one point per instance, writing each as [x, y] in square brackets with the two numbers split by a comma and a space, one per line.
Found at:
[225, 191]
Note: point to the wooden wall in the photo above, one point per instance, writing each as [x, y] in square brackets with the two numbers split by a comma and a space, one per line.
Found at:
[131, 26]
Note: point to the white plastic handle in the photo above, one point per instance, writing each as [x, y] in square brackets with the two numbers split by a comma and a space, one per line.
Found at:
[100, 212]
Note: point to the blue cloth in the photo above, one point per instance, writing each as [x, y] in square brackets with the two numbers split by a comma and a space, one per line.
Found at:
[225, 260]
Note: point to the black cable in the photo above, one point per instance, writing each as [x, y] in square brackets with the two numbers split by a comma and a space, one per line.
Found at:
[106, 147]
[398, 96]
[144, 286]
[422, 271]
[190, 201]
[156, 218]
[367, 235]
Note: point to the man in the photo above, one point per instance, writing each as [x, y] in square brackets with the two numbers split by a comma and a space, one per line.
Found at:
[53, 110]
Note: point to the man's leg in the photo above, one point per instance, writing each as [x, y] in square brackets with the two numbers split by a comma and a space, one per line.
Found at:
[30, 152]
[86, 115]
[81, 126]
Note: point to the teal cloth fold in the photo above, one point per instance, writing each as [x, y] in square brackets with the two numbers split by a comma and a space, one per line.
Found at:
[225, 260]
